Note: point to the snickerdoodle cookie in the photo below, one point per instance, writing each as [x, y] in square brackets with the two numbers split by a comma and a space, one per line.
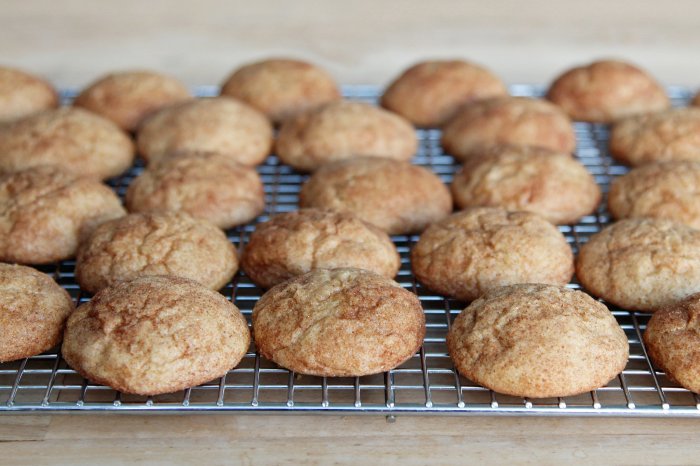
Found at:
[552, 184]
[342, 130]
[33, 312]
[472, 252]
[206, 185]
[429, 93]
[538, 341]
[155, 244]
[338, 323]
[72, 138]
[607, 90]
[281, 88]
[220, 124]
[127, 97]
[155, 334]
[641, 264]
[672, 338]
[660, 190]
[696, 100]
[46, 211]
[22, 94]
[294, 243]
[658, 137]
[517, 121]
[396, 196]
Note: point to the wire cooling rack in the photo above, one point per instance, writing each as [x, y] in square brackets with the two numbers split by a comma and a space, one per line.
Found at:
[426, 384]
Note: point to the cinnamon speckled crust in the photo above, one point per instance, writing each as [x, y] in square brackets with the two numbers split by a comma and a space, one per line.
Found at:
[155, 244]
[553, 185]
[659, 137]
[206, 185]
[22, 94]
[75, 139]
[396, 196]
[538, 341]
[607, 90]
[45, 212]
[641, 264]
[472, 252]
[33, 312]
[220, 124]
[293, 243]
[338, 323]
[155, 335]
[672, 338]
[517, 121]
[342, 130]
[127, 97]
[281, 88]
[430, 93]
[668, 190]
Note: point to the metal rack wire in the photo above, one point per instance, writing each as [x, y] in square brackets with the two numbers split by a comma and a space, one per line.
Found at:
[426, 384]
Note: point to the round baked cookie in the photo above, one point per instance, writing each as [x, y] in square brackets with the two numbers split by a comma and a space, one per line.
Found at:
[22, 94]
[75, 139]
[554, 185]
[607, 90]
[659, 190]
[46, 211]
[220, 124]
[155, 244]
[127, 97]
[154, 335]
[342, 130]
[280, 87]
[396, 196]
[641, 264]
[206, 185]
[538, 341]
[338, 323]
[33, 312]
[658, 137]
[517, 121]
[430, 93]
[672, 338]
[475, 251]
[293, 243]
[696, 100]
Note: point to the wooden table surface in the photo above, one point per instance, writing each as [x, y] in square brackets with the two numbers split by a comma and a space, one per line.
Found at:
[72, 42]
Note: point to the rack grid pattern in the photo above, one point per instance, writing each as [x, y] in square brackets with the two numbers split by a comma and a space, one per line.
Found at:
[426, 384]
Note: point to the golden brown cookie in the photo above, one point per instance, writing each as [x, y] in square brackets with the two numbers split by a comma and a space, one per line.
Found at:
[551, 184]
[75, 139]
[696, 100]
[538, 341]
[342, 130]
[206, 185]
[155, 244]
[220, 124]
[672, 338]
[156, 334]
[517, 121]
[33, 312]
[127, 97]
[22, 94]
[659, 190]
[429, 93]
[641, 264]
[398, 197]
[281, 88]
[46, 211]
[338, 323]
[658, 137]
[607, 90]
[475, 251]
[294, 243]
